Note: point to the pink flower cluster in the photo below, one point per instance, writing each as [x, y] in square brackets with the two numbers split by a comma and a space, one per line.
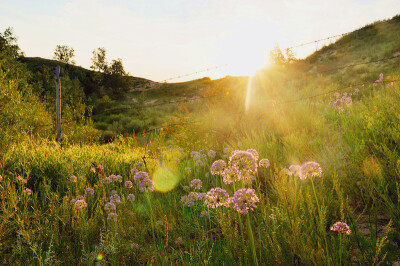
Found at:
[341, 227]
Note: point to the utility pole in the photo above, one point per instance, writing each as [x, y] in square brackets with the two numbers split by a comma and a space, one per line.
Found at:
[58, 105]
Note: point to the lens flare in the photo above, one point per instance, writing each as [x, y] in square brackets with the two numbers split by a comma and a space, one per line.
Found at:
[248, 93]
[100, 257]
[165, 179]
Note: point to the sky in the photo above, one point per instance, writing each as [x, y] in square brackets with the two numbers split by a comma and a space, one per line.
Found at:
[160, 39]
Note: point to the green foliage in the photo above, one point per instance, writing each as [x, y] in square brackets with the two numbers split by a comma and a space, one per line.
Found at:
[64, 54]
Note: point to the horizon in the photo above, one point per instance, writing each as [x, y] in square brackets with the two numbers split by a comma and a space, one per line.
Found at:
[178, 38]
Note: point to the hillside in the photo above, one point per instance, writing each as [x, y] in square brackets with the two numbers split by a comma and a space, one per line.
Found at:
[296, 165]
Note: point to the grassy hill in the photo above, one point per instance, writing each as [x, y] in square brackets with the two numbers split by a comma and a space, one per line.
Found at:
[308, 168]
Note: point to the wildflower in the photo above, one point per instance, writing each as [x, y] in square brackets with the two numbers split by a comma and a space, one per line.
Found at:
[341, 227]
[186, 201]
[254, 153]
[115, 198]
[204, 213]
[107, 180]
[65, 198]
[230, 174]
[264, 163]
[186, 188]
[170, 147]
[195, 154]
[112, 216]
[93, 170]
[131, 197]
[211, 154]
[79, 197]
[140, 165]
[72, 201]
[196, 184]
[134, 171]
[204, 156]
[179, 241]
[21, 179]
[226, 150]
[244, 199]
[310, 169]
[181, 150]
[73, 179]
[79, 204]
[347, 100]
[177, 161]
[244, 160]
[216, 197]
[188, 170]
[109, 206]
[244, 163]
[89, 191]
[28, 191]
[146, 185]
[199, 163]
[356, 90]
[118, 178]
[139, 176]
[336, 94]
[128, 184]
[217, 167]
[294, 169]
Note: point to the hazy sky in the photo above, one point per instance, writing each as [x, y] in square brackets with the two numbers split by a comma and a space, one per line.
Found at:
[164, 38]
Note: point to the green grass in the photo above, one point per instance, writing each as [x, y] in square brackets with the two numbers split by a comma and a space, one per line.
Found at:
[290, 120]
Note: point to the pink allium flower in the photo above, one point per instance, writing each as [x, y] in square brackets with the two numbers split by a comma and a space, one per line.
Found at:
[79, 204]
[211, 154]
[115, 198]
[217, 167]
[341, 227]
[309, 169]
[73, 179]
[89, 191]
[146, 185]
[244, 199]
[216, 197]
[131, 197]
[112, 216]
[109, 206]
[264, 163]
[196, 184]
[140, 176]
[254, 153]
[28, 191]
[128, 184]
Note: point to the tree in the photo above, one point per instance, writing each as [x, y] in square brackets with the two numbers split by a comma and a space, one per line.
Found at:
[8, 45]
[64, 54]
[117, 68]
[290, 56]
[99, 60]
[276, 56]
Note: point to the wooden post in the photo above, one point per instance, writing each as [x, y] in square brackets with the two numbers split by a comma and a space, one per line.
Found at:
[58, 105]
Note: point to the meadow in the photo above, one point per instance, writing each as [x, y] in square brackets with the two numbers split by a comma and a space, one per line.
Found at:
[290, 167]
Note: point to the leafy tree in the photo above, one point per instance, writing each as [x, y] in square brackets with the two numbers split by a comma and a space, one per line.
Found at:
[117, 79]
[64, 54]
[290, 56]
[99, 60]
[9, 48]
[276, 56]
[117, 68]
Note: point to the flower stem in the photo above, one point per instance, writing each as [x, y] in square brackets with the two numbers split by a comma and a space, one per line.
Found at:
[320, 219]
